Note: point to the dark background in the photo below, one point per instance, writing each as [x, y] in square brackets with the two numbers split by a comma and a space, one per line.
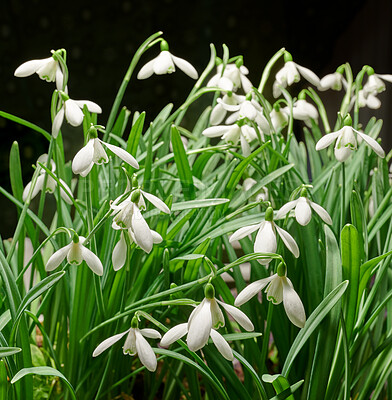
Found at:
[101, 38]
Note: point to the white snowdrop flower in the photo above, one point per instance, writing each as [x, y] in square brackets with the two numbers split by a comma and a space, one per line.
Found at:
[279, 117]
[304, 111]
[332, 81]
[72, 110]
[346, 142]
[374, 83]
[303, 210]
[129, 217]
[51, 184]
[279, 289]
[366, 99]
[119, 254]
[203, 322]
[94, 153]
[135, 343]
[165, 63]
[48, 69]
[232, 77]
[75, 253]
[233, 133]
[266, 241]
[291, 73]
[219, 112]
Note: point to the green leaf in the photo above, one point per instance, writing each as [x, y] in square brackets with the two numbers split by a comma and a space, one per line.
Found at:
[242, 335]
[9, 351]
[287, 392]
[4, 319]
[192, 268]
[183, 168]
[134, 136]
[45, 371]
[16, 172]
[280, 384]
[121, 122]
[312, 323]
[351, 261]
[4, 385]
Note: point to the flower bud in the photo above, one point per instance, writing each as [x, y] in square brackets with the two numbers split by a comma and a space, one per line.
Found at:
[269, 214]
[134, 322]
[281, 270]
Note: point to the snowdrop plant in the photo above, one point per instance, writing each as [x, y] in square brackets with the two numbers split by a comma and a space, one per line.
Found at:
[194, 221]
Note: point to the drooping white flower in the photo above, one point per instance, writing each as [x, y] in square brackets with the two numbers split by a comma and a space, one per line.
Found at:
[219, 112]
[75, 253]
[279, 117]
[332, 81]
[203, 322]
[375, 84]
[51, 184]
[291, 73]
[266, 241]
[72, 110]
[48, 69]
[304, 111]
[279, 289]
[165, 63]
[261, 195]
[128, 216]
[135, 343]
[234, 133]
[346, 143]
[231, 78]
[119, 254]
[366, 99]
[94, 153]
[303, 211]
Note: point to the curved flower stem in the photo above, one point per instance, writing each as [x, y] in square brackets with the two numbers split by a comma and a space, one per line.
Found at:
[347, 97]
[358, 85]
[268, 68]
[120, 94]
[320, 105]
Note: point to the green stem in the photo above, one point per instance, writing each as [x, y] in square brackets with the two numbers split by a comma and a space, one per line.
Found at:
[342, 196]
[264, 349]
[268, 68]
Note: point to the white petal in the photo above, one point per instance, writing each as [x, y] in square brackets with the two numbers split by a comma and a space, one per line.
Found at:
[372, 143]
[57, 258]
[246, 84]
[83, 158]
[26, 191]
[218, 320]
[147, 70]
[150, 333]
[216, 131]
[221, 344]
[87, 170]
[145, 352]
[289, 241]
[141, 230]
[92, 261]
[218, 114]
[30, 67]
[274, 290]
[245, 148]
[57, 122]
[119, 254]
[199, 327]
[303, 212]
[186, 67]
[73, 113]
[158, 203]
[59, 78]
[309, 75]
[173, 334]
[39, 184]
[66, 194]
[326, 140]
[385, 77]
[225, 84]
[292, 304]
[228, 106]
[321, 212]
[242, 232]
[163, 63]
[265, 241]
[156, 237]
[91, 106]
[251, 290]
[99, 156]
[108, 342]
[238, 315]
[285, 209]
[123, 154]
[130, 343]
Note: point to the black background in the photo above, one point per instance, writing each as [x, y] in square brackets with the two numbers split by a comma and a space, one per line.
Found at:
[101, 38]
